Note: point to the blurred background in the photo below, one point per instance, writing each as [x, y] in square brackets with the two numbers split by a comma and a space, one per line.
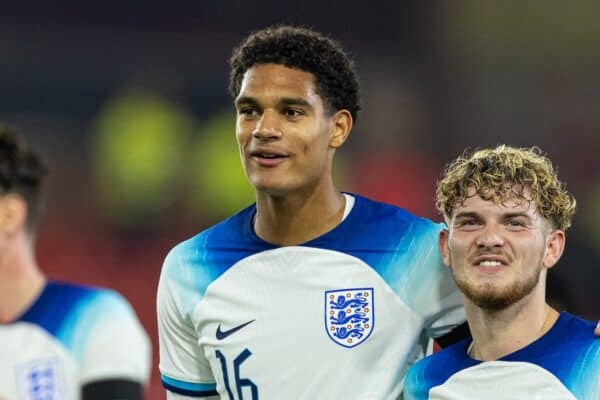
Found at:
[127, 100]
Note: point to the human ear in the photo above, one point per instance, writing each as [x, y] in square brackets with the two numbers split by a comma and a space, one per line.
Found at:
[341, 126]
[444, 246]
[555, 245]
[13, 213]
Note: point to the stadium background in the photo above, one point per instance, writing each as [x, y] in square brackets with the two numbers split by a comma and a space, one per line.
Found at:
[128, 102]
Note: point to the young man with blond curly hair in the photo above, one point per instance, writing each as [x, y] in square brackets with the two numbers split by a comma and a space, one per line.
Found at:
[507, 214]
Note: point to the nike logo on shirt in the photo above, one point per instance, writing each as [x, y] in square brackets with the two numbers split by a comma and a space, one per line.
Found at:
[223, 334]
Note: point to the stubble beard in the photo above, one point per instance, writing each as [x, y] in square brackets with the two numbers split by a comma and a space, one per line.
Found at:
[491, 298]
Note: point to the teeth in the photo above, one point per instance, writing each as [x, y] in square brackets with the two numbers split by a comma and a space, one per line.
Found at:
[490, 263]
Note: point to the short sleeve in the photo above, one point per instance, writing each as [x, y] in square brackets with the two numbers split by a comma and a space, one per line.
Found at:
[428, 287]
[184, 369]
[116, 345]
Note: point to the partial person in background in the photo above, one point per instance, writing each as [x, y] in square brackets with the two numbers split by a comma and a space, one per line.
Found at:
[507, 214]
[309, 293]
[57, 340]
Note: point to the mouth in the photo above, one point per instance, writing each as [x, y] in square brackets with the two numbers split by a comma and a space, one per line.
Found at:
[490, 264]
[268, 158]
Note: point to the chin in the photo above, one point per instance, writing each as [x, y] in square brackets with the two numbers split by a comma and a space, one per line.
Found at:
[270, 188]
[491, 298]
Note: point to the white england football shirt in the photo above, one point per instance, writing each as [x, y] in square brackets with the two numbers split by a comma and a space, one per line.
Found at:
[339, 317]
[564, 364]
[70, 336]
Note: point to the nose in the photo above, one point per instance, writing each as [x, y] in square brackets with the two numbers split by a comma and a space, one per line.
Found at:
[490, 237]
[268, 126]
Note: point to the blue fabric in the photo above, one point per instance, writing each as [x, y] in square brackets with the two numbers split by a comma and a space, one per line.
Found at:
[569, 350]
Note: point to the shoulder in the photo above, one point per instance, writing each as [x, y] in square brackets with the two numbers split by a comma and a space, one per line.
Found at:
[234, 229]
[571, 331]
[63, 304]
[192, 265]
[391, 226]
[437, 368]
[581, 332]
[87, 304]
[104, 334]
[577, 323]
[373, 209]
[209, 246]
[75, 314]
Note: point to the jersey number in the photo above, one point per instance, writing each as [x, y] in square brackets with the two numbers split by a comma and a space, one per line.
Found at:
[239, 382]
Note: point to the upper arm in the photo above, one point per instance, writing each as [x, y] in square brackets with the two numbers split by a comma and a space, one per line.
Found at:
[117, 347]
[184, 369]
[428, 286]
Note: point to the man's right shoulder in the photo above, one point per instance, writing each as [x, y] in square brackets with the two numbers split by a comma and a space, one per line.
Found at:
[201, 259]
[435, 369]
[232, 231]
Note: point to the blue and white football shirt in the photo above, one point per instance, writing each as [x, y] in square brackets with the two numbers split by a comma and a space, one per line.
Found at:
[339, 317]
[563, 364]
[71, 335]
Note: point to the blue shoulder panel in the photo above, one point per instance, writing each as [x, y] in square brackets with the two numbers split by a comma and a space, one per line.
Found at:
[70, 312]
[569, 351]
[385, 237]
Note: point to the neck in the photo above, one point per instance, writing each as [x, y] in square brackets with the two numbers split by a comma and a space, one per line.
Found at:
[296, 218]
[499, 333]
[21, 283]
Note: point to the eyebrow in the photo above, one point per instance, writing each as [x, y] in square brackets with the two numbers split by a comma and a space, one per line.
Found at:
[517, 214]
[287, 101]
[472, 214]
[467, 214]
[246, 100]
[295, 101]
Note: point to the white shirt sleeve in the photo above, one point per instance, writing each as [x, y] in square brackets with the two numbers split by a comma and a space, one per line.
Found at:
[116, 346]
[430, 288]
[184, 368]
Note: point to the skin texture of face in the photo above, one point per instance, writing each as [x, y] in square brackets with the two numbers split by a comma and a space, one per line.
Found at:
[285, 135]
[499, 253]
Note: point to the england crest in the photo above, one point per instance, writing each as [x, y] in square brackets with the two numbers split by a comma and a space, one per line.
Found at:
[349, 315]
[41, 380]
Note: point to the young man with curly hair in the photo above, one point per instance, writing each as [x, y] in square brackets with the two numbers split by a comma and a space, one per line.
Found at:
[309, 293]
[57, 340]
[507, 214]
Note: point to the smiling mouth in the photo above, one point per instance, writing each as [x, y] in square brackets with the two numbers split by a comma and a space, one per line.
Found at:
[489, 264]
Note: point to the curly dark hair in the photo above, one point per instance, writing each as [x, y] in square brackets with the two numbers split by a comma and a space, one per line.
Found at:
[304, 49]
[22, 172]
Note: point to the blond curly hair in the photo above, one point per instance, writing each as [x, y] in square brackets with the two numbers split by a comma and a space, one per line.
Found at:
[504, 173]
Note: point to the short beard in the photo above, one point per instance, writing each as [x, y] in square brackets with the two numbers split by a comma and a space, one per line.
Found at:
[491, 299]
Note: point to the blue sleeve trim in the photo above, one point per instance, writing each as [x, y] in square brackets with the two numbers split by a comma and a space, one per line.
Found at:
[189, 389]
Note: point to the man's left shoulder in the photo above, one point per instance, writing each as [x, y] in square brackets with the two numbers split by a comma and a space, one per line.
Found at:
[376, 212]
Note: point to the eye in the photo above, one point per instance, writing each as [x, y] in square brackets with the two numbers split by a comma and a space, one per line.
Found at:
[516, 223]
[468, 223]
[293, 112]
[247, 112]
